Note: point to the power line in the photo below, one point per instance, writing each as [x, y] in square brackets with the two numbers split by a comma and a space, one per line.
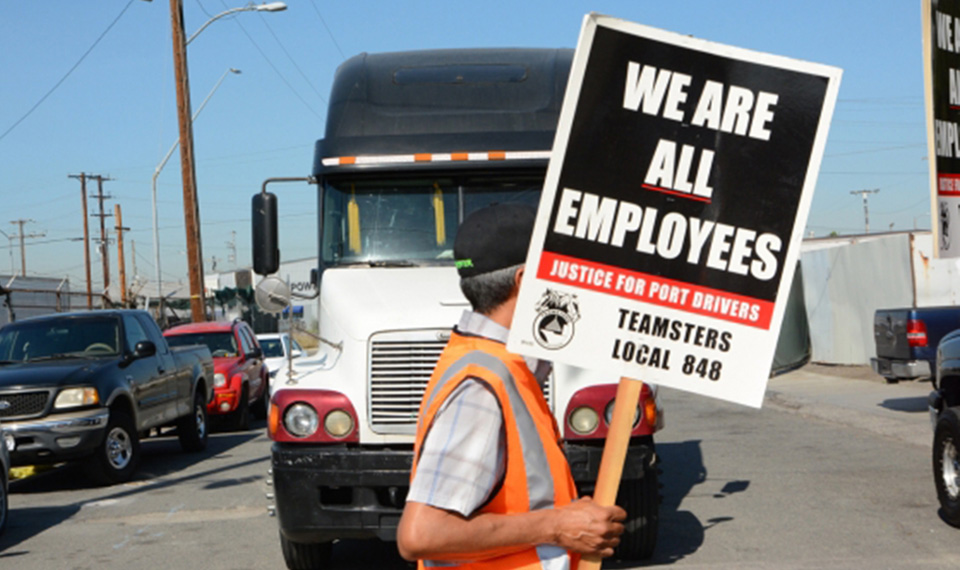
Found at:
[64, 78]
[274, 67]
[322, 21]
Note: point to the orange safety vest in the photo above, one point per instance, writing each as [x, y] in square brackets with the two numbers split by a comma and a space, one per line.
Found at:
[537, 474]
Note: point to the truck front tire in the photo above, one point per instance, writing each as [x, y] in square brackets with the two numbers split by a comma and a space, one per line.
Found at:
[946, 465]
[641, 499]
[117, 456]
[192, 428]
[310, 556]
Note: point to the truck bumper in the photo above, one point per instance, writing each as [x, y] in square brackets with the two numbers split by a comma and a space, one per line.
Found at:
[584, 462]
[900, 368]
[324, 493]
[328, 492]
[55, 439]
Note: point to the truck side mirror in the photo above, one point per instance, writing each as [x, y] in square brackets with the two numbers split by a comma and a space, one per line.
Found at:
[144, 349]
[266, 250]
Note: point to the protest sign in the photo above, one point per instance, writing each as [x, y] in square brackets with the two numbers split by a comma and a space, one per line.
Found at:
[673, 207]
[941, 43]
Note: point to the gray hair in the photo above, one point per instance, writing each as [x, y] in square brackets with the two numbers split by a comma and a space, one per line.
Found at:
[489, 290]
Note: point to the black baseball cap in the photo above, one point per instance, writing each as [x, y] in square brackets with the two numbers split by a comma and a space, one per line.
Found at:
[494, 237]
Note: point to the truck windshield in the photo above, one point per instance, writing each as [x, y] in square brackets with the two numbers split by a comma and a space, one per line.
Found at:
[51, 339]
[409, 221]
[221, 344]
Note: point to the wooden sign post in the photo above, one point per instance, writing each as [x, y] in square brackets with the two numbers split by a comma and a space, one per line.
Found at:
[615, 450]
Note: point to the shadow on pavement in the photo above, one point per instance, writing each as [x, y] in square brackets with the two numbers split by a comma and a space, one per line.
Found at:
[681, 533]
[161, 457]
[914, 404]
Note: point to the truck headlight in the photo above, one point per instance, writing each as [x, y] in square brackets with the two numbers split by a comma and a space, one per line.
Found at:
[584, 420]
[338, 423]
[76, 397]
[301, 420]
[219, 380]
[608, 414]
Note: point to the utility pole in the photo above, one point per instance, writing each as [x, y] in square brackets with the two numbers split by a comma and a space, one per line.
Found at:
[191, 207]
[866, 210]
[121, 264]
[23, 249]
[86, 235]
[104, 240]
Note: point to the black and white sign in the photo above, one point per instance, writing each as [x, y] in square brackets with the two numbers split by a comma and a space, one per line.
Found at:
[941, 34]
[673, 208]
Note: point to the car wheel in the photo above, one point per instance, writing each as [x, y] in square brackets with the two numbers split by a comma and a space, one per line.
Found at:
[117, 456]
[260, 408]
[946, 465]
[306, 556]
[641, 499]
[4, 500]
[192, 428]
[241, 416]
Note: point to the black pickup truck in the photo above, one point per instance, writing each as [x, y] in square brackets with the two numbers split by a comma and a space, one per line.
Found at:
[944, 403]
[88, 385]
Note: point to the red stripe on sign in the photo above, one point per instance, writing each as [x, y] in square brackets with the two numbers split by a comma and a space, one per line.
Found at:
[948, 184]
[676, 193]
[655, 290]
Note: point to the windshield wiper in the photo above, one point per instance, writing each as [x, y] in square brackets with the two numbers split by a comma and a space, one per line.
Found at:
[391, 263]
[64, 355]
[57, 356]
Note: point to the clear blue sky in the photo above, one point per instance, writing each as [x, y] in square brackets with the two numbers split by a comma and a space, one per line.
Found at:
[114, 114]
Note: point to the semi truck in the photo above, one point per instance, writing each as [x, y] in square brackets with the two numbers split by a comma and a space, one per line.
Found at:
[414, 142]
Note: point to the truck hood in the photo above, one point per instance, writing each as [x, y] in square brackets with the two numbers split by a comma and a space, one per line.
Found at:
[51, 373]
[225, 365]
[364, 300]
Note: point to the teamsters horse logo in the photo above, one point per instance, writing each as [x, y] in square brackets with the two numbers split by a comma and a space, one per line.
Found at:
[556, 313]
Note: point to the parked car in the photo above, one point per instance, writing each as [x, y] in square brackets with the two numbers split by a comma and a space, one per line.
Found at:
[240, 379]
[906, 340]
[282, 354]
[277, 349]
[84, 386]
[4, 480]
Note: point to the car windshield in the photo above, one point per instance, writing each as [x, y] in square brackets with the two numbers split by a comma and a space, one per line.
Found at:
[409, 221]
[271, 347]
[51, 339]
[221, 344]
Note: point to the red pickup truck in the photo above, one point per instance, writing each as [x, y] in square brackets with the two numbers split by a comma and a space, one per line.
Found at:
[241, 379]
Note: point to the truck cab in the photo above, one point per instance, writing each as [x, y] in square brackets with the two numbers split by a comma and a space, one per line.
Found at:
[415, 142]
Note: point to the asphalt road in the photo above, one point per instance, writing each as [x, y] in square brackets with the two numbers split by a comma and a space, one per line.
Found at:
[785, 487]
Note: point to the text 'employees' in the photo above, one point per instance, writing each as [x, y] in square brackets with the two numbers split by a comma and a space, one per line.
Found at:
[718, 246]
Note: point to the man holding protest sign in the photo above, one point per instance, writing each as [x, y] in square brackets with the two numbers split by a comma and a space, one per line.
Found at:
[472, 502]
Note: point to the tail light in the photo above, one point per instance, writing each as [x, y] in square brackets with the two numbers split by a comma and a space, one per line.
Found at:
[916, 333]
[590, 409]
[312, 416]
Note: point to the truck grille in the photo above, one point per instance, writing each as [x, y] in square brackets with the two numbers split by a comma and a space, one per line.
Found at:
[23, 404]
[400, 367]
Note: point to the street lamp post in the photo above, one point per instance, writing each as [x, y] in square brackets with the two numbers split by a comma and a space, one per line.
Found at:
[156, 174]
[191, 207]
